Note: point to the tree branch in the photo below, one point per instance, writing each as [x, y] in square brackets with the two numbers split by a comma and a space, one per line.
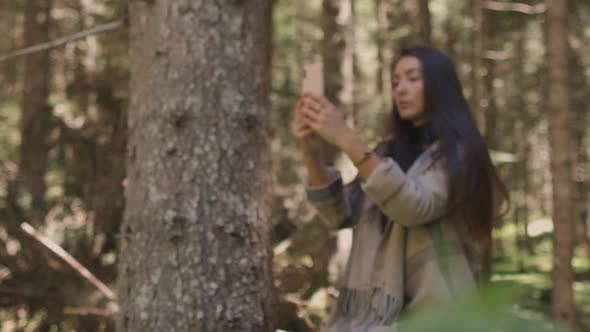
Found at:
[515, 7]
[63, 40]
[71, 261]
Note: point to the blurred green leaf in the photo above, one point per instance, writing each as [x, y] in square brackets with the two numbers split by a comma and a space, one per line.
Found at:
[490, 310]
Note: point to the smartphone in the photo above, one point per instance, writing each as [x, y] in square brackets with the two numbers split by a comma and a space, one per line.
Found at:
[313, 78]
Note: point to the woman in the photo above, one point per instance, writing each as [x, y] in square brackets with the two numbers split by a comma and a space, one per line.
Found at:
[423, 204]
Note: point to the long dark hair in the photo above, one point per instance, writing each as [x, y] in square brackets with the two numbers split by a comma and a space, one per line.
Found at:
[475, 190]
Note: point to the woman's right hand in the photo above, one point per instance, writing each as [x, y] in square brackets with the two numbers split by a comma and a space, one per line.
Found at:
[307, 139]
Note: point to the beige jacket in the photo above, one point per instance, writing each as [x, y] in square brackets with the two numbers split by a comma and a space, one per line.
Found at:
[398, 266]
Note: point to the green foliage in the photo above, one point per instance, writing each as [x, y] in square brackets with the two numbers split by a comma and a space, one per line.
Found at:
[492, 311]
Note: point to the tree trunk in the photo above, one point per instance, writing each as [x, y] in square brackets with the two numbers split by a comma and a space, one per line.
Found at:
[481, 93]
[384, 54]
[579, 97]
[450, 32]
[424, 24]
[354, 73]
[338, 59]
[518, 125]
[581, 155]
[477, 63]
[526, 120]
[336, 49]
[487, 93]
[35, 113]
[526, 192]
[107, 197]
[560, 141]
[195, 249]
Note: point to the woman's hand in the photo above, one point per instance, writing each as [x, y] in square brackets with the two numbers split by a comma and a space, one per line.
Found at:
[307, 139]
[325, 119]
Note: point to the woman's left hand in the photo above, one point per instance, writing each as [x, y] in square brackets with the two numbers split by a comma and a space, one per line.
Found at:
[325, 119]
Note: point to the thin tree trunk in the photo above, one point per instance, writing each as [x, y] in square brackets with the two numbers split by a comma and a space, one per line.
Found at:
[521, 180]
[195, 246]
[477, 63]
[579, 87]
[526, 120]
[450, 33]
[338, 55]
[481, 97]
[302, 41]
[35, 112]
[338, 59]
[348, 77]
[354, 74]
[581, 53]
[424, 23]
[519, 139]
[384, 54]
[334, 48]
[519, 125]
[517, 216]
[526, 191]
[489, 109]
[564, 234]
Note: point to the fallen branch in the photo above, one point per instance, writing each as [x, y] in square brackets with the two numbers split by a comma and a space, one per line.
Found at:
[69, 259]
[63, 40]
[282, 247]
[515, 7]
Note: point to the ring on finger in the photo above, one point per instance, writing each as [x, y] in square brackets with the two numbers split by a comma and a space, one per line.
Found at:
[315, 107]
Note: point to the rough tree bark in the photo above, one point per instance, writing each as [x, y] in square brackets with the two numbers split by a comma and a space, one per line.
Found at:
[564, 233]
[195, 246]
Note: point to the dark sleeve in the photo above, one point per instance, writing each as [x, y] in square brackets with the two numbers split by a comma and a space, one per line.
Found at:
[338, 206]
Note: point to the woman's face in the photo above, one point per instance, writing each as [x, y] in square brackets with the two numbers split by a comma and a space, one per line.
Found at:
[408, 89]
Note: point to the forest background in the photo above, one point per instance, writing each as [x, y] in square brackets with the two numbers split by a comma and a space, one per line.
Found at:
[68, 140]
